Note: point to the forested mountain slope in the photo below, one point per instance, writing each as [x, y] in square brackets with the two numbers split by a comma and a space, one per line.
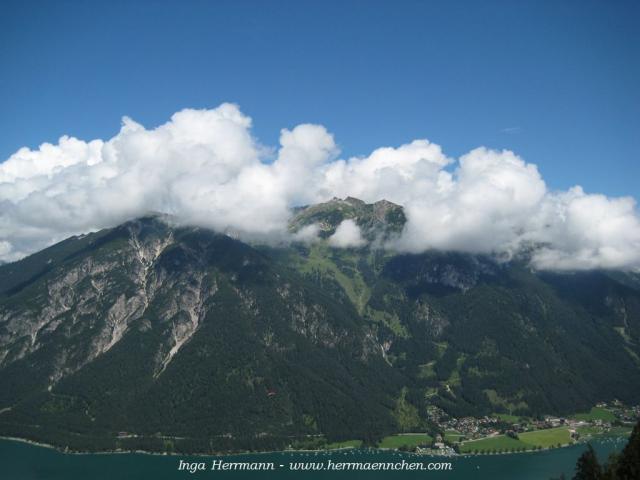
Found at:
[166, 335]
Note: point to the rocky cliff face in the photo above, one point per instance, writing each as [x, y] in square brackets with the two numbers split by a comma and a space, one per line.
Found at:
[84, 304]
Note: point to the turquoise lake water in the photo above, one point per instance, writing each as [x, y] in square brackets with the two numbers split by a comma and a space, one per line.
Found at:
[22, 461]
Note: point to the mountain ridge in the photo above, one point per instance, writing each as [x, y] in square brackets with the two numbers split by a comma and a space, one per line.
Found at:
[158, 329]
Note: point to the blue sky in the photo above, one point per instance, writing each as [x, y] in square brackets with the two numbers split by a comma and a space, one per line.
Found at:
[558, 82]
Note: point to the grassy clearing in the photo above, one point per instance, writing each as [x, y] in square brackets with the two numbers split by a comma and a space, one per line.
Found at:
[507, 404]
[355, 288]
[452, 436]
[597, 413]
[405, 440]
[547, 438]
[390, 320]
[507, 418]
[351, 281]
[529, 440]
[344, 444]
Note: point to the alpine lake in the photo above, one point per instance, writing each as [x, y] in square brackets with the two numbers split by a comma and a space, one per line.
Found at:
[26, 461]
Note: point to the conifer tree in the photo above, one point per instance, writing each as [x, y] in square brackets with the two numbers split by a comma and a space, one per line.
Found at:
[587, 467]
[628, 465]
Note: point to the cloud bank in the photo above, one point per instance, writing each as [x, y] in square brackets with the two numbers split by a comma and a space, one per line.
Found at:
[206, 168]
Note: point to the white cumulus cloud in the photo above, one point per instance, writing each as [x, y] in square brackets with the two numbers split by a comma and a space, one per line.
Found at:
[307, 234]
[204, 167]
[347, 235]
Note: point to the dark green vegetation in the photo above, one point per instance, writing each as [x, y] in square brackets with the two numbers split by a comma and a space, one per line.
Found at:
[165, 338]
[622, 466]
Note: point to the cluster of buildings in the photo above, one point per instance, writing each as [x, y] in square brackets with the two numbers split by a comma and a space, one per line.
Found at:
[622, 412]
[469, 427]
[473, 428]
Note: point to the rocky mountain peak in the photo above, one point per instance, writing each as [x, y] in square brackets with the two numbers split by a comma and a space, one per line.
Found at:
[380, 219]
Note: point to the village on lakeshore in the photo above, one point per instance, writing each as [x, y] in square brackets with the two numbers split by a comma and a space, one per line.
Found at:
[505, 433]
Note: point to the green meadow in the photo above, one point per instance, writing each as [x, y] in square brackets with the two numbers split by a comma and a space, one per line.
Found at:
[597, 413]
[529, 440]
[405, 440]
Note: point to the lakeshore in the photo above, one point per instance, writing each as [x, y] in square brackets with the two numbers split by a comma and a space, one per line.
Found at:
[23, 460]
[498, 434]
[418, 452]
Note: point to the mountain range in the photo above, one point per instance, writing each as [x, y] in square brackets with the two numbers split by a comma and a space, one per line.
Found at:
[166, 337]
